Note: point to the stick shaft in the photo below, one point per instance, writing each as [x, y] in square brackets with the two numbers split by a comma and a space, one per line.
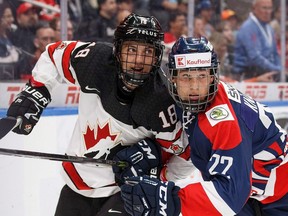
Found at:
[58, 157]
[7, 124]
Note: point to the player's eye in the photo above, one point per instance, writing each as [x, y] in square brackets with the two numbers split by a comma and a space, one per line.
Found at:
[149, 51]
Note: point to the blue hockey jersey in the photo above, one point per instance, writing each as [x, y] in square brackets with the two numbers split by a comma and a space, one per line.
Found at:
[241, 152]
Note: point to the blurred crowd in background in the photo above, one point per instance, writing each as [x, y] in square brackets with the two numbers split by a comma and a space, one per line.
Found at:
[245, 34]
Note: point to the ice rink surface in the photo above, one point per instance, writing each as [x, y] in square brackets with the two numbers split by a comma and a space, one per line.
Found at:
[30, 187]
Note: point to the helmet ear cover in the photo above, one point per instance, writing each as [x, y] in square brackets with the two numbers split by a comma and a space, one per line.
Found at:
[143, 29]
[186, 47]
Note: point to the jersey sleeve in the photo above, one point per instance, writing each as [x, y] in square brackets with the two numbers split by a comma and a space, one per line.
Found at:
[226, 174]
[54, 65]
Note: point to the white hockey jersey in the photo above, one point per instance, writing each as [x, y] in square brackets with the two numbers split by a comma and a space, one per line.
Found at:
[104, 124]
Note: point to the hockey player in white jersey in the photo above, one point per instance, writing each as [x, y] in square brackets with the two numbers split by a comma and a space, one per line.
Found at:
[123, 102]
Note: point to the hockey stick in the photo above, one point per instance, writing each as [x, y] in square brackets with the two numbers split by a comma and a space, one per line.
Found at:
[58, 157]
[7, 124]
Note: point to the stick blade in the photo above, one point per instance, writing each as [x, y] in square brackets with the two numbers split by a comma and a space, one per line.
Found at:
[6, 125]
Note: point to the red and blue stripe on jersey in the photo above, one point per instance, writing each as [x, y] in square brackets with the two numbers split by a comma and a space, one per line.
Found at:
[223, 149]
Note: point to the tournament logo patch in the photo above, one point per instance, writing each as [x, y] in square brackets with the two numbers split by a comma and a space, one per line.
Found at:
[218, 114]
[176, 148]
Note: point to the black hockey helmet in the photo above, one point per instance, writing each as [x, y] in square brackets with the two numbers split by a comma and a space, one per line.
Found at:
[144, 29]
[180, 58]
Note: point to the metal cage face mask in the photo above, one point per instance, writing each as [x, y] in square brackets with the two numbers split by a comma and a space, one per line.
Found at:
[193, 73]
[145, 31]
[193, 89]
[138, 61]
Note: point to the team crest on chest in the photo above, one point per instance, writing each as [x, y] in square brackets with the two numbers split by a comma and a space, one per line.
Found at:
[99, 140]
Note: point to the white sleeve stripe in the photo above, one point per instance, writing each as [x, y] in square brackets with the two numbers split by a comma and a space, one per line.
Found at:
[270, 186]
[264, 155]
[216, 199]
[256, 176]
[60, 54]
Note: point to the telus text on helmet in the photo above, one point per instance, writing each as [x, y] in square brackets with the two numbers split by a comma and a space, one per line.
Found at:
[142, 31]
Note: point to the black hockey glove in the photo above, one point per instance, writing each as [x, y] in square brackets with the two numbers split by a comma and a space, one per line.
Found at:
[150, 197]
[144, 158]
[29, 105]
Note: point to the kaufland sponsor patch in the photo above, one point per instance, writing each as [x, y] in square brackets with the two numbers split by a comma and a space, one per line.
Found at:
[218, 114]
[193, 60]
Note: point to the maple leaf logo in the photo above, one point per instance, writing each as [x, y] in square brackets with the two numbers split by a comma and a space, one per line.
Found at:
[100, 142]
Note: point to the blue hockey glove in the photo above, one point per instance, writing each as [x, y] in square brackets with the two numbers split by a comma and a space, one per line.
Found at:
[29, 105]
[144, 158]
[150, 197]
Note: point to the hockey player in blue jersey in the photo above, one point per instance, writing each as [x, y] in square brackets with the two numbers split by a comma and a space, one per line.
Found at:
[235, 142]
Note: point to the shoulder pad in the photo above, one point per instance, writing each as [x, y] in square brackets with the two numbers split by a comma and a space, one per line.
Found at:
[91, 61]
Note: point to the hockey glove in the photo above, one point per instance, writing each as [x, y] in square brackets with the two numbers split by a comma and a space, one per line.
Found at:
[29, 105]
[150, 197]
[144, 158]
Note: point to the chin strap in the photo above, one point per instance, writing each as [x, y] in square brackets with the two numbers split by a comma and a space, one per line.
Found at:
[123, 94]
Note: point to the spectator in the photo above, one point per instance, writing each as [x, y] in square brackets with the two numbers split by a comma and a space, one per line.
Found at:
[177, 27]
[121, 15]
[177, 24]
[89, 10]
[225, 29]
[46, 14]
[27, 20]
[8, 53]
[125, 5]
[102, 28]
[183, 6]
[230, 16]
[255, 47]
[220, 45]
[141, 7]
[14, 4]
[75, 11]
[161, 10]
[204, 10]
[55, 24]
[141, 4]
[11, 58]
[276, 25]
[44, 36]
[286, 60]
[199, 28]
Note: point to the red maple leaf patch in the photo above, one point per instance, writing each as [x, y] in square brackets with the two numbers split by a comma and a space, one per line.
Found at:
[92, 138]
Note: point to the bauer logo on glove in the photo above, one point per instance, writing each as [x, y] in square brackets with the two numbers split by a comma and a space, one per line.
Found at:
[32, 91]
